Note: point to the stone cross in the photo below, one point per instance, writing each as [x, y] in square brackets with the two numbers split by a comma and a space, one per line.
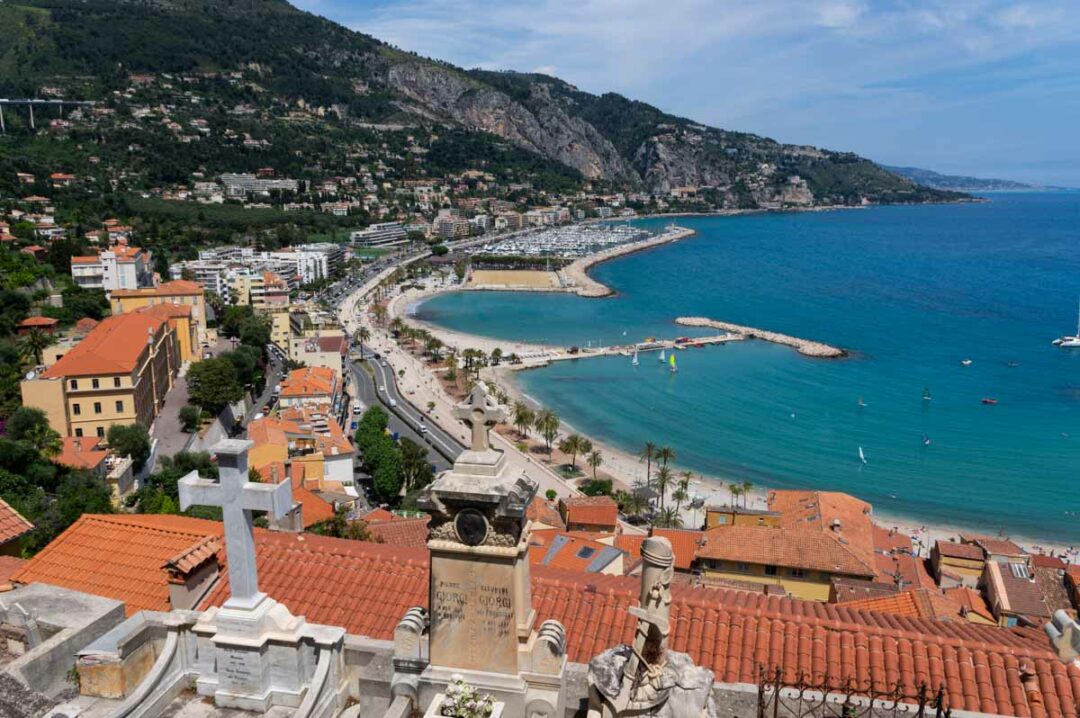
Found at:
[479, 410]
[237, 498]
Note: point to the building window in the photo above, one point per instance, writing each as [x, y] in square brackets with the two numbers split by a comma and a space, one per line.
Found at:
[771, 571]
[94, 383]
[74, 383]
[76, 409]
[101, 432]
[116, 382]
[78, 432]
[796, 572]
[120, 407]
[97, 407]
[742, 567]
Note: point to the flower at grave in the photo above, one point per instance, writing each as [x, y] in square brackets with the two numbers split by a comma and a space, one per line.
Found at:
[464, 701]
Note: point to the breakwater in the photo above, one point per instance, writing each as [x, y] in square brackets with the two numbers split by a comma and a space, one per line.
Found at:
[805, 347]
[576, 274]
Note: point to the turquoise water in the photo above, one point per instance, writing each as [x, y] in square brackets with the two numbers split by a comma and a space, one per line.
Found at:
[910, 290]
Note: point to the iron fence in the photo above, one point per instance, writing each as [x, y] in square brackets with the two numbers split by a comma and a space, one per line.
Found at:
[802, 698]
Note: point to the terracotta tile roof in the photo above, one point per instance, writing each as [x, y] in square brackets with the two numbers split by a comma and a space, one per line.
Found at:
[402, 531]
[1051, 584]
[684, 545]
[310, 381]
[842, 517]
[31, 322]
[81, 452]
[113, 347]
[334, 344]
[734, 633]
[846, 590]
[912, 570]
[313, 508]
[1020, 596]
[9, 565]
[631, 544]
[12, 523]
[591, 510]
[560, 549]
[545, 512]
[86, 324]
[970, 600]
[796, 548]
[379, 514]
[994, 546]
[965, 551]
[194, 556]
[890, 540]
[86, 259]
[1041, 561]
[900, 604]
[177, 287]
[119, 556]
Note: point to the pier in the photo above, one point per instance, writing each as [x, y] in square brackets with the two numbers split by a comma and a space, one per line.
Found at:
[805, 347]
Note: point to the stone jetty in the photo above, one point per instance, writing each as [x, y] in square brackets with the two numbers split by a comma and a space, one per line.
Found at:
[804, 346]
[577, 276]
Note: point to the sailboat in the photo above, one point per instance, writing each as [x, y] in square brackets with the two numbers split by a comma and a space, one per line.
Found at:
[862, 456]
[634, 361]
[1074, 341]
[672, 364]
[663, 356]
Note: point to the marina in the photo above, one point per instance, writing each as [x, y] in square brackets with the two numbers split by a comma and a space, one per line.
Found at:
[568, 242]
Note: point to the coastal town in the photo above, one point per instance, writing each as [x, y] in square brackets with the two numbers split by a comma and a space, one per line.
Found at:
[243, 473]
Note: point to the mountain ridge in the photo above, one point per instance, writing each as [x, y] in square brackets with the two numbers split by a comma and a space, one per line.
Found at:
[299, 56]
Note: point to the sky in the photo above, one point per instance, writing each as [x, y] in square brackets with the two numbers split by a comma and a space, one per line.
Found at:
[981, 87]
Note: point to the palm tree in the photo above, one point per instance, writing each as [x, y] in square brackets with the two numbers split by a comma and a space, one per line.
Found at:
[523, 417]
[434, 347]
[45, 440]
[663, 479]
[633, 503]
[361, 336]
[669, 519]
[595, 460]
[496, 356]
[682, 490]
[736, 491]
[380, 314]
[547, 423]
[32, 346]
[647, 454]
[747, 486]
[665, 454]
[573, 445]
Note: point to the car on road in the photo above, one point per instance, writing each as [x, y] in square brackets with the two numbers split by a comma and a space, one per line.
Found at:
[422, 428]
[393, 402]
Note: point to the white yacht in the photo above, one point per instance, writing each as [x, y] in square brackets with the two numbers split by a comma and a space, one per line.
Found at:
[1073, 341]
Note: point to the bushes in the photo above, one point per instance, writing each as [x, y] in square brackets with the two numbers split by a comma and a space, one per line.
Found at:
[132, 440]
[380, 454]
[190, 417]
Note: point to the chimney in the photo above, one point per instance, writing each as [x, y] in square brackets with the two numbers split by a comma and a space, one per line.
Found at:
[836, 525]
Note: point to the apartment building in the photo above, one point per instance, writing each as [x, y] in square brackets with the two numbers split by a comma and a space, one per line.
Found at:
[118, 374]
[178, 293]
[380, 235]
[119, 267]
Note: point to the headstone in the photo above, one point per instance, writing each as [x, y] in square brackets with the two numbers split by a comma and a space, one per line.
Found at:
[251, 649]
[645, 678]
[481, 621]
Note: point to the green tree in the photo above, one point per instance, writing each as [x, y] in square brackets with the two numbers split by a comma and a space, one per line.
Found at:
[212, 384]
[255, 332]
[663, 479]
[46, 441]
[132, 440]
[551, 494]
[647, 454]
[415, 467]
[523, 417]
[546, 423]
[32, 346]
[595, 460]
[362, 335]
[669, 519]
[23, 421]
[190, 417]
[597, 487]
[341, 526]
[665, 454]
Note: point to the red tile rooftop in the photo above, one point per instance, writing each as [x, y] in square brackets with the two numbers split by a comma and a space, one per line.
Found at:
[12, 523]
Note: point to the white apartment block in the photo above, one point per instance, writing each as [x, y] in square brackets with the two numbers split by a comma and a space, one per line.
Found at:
[380, 235]
[118, 267]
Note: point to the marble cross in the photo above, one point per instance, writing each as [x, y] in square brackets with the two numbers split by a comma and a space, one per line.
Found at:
[237, 498]
[479, 411]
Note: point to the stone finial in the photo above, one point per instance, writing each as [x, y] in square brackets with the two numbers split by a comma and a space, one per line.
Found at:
[410, 629]
[549, 653]
[1064, 634]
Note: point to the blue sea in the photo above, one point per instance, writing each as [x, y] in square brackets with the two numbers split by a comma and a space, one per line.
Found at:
[911, 291]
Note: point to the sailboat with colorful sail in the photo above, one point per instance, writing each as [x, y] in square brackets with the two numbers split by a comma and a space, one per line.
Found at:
[672, 364]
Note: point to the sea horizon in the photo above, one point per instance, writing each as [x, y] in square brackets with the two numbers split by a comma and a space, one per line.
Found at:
[909, 290]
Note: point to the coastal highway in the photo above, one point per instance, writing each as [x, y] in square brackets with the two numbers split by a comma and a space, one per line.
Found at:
[404, 418]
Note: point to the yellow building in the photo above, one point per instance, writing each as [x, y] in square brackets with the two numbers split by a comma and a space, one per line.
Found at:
[178, 292]
[734, 516]
[306, 436]
[118, 374]
[267, 294]
[957, 564]
[802, 561]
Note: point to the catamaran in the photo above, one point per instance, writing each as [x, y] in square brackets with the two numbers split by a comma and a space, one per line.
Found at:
[672, 364]
[634, 362]
[1071, 342]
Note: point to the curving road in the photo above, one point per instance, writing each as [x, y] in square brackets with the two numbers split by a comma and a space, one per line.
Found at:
[405, 419]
